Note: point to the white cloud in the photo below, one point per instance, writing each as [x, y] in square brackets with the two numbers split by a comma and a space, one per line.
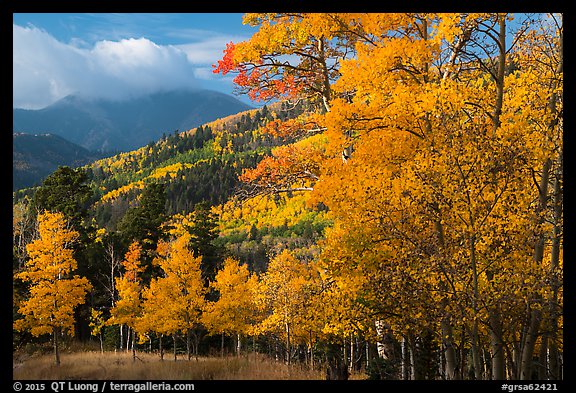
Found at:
[209, 50]
[42, 67]
[45, 70]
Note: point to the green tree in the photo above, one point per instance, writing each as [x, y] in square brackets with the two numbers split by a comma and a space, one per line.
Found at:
[203, 232]
[97, 323]
[143, 224]
[64, 191]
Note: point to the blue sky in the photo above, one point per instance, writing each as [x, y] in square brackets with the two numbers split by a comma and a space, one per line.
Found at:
[115, 56]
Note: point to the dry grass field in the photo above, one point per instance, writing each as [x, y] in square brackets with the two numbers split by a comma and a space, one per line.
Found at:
[117, 366]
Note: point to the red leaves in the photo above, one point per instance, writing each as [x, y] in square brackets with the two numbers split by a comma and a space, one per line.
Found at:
[227, 63]
[260, 81]
[295, 166]
[290, 128]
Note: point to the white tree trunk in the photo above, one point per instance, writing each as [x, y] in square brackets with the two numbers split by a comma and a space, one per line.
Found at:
[380, 331]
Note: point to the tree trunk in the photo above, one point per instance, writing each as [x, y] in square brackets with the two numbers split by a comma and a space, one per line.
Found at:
[414, 370]
[449, 351]
[446, 326]
[535, 315]
[222, 345]
[498, 364]
[238, 344]
[188, 352]
[367, 354]
[476, 352]
[351, 366]
[133, 346]
[412, 362]
[405, 368]
[542, 366]
[554, 361]
[121, 337]
[380, 343]
[161, 348]
[345, 353]
[529, 344]
[196, 342]
[553, 358]
[287, 343]
[311, 350]
[55, 333]
[500, 72]
[174, 341]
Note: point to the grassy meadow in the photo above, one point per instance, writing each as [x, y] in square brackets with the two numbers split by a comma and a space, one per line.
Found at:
[119, 365]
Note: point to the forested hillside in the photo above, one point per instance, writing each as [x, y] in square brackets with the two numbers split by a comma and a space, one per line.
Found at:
[397, 212]
[36, 156]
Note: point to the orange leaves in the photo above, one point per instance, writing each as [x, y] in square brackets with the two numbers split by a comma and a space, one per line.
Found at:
[235, 310]
[54, 294]
[227, 63]
[433, 207]
[294, 128]
[128, 307]
[174, 302]
[291, 55]
[293, 167]
[131, 262]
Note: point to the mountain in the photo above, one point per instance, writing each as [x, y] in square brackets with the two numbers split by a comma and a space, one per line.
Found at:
[101, 125]
[36, 156]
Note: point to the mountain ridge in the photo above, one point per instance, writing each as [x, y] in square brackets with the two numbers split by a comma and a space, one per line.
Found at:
[104, 125]
[35, 156]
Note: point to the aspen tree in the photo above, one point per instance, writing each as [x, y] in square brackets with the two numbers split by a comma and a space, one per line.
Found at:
[54, 291]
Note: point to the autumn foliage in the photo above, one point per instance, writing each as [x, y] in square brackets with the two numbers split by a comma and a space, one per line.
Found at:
[441, 167]
[54, 291]
[426, 182]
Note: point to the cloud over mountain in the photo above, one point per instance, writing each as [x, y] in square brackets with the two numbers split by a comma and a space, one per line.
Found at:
[45, 69]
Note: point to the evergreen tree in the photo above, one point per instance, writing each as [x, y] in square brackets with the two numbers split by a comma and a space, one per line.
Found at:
[203, 231]
[142, 223]
[64, 191]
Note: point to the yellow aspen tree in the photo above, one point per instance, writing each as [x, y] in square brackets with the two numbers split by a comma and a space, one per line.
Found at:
[234, 312]
[97, 323]
[156, 316]
[127, 308]
[295, 56]
[442, 170]
[54, 291]
[182, 287]
[286, 290]
[540, 57]
[433, 169]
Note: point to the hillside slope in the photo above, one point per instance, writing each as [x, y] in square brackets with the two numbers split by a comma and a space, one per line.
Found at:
[36, 156]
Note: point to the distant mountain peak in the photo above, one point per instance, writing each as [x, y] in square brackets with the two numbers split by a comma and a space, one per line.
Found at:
[99, 124]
